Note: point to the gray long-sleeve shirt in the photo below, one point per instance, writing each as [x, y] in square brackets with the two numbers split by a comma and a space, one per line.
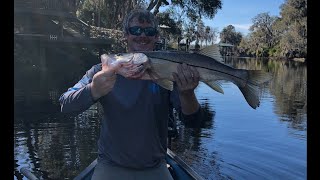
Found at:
[134, 128]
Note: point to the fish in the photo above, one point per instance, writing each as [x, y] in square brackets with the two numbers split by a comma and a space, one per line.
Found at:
[159, 66]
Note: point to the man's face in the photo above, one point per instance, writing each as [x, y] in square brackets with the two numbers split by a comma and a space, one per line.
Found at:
[140, 42]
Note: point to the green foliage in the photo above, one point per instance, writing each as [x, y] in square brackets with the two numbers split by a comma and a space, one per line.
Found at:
[106, 13]
[85, 11]
[284, 36]
[294, 17]
[174, 27]
[180, 16]
[172, 30]
[110, 14]
[200, 8]
[229, 35]
[274, 51]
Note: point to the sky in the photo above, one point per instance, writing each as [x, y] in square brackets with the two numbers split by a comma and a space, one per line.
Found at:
[240, 13]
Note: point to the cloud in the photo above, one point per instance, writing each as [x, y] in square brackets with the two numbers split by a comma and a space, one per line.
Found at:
[217, 40]
[243, 28]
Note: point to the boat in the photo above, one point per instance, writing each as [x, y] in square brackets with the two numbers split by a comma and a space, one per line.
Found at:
[178, 168]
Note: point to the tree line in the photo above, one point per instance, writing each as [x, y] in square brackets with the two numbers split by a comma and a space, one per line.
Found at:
[269, 36]
[272, 36]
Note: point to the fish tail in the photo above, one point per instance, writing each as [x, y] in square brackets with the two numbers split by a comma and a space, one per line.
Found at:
[251, 89]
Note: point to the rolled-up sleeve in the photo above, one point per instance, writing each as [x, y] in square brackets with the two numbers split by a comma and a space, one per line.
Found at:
[78, 97]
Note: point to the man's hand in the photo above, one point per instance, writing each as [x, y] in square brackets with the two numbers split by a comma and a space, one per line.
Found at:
[103, 81]
[187, 78]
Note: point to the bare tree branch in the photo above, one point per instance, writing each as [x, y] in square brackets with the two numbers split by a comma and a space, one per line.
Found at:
[152, 4]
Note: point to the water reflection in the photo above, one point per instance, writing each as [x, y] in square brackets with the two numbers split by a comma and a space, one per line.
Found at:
[288, 86]
[192, 136]
[56, 146]
[189, 143]
[291, 96]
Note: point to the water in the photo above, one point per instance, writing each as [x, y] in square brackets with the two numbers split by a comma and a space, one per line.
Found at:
[235, 142]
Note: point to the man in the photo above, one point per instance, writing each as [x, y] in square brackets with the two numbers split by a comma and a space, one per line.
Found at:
[134, 130]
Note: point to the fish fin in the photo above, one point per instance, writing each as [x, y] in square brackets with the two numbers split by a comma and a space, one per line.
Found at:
[165, 83]
[215, 85]
[251, 90]
[212, 51]
[250, 93]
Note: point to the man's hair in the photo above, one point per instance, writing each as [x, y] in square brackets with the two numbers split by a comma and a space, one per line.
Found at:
[142, 15]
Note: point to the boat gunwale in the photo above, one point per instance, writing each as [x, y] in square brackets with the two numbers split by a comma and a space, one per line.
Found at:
[87, 171]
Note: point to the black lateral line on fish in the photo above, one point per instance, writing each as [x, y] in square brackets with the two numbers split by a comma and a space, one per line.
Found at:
[204, 68]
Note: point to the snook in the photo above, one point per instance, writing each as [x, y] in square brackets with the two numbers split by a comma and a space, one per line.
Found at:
[160, 65]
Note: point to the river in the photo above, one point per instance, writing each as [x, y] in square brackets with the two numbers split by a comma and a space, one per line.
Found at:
[235, 142]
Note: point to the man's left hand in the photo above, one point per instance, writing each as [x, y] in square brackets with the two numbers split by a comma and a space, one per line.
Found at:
[187, 78]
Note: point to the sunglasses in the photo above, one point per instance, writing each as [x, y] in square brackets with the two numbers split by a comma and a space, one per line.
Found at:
[137, 31]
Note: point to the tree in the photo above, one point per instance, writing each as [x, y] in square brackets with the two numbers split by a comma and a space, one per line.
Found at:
[262, 26]
[173, 29]
[229, 35]
[294, 18]
[107, 13]
[112, 12]
[155, 4]
[284, 36]
[262, 34]
[200, 33]
[199, 8]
